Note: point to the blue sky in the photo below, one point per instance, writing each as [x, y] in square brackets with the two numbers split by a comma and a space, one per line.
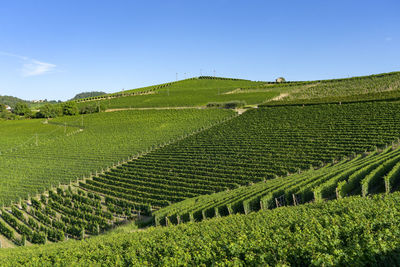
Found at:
[55, 49]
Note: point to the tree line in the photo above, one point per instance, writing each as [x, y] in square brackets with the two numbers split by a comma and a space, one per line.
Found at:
[70, 108]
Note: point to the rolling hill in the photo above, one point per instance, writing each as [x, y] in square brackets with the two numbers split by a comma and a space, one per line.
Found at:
[193, 92]
[11, 100]
[36, 155]
[87, 95]
[286, 177]
[202, 90]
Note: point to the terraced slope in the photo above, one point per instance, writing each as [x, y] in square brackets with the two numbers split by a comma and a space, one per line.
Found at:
[372, 173]
[256, 146]
[351, 231]
[80, 148]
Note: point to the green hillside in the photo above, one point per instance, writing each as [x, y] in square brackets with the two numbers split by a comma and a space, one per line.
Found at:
[352, 231]
[289, 178]
[11, 100]
[202, 90]
[258, 145]
[16, 134]
[190, 92]
[35, 156]
[262, 145]
[348, 87]
[362, 175]
[87, 95]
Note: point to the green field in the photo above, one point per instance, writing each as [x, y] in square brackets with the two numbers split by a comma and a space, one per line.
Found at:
[62, 214]
[192, 92]
[348, 87]
[200, 91]
[363, 175]
[199, 133]
[66, 153]
[260, 144]
[305, 174]
[23, 133]
[247, 159]
[352, 231]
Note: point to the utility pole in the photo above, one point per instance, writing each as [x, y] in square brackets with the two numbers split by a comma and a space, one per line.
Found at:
[214, 73]
[36, 139]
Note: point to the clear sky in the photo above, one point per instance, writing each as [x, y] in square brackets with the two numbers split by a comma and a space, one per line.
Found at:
[55, 49]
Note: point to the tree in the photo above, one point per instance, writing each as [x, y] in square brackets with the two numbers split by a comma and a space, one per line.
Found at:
[49, 111]
[92, 108]
[22, 109]
[280, 80]
[88, 94]
[70, 108]
[2, 108]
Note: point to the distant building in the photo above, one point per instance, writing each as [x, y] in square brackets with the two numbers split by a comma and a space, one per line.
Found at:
[38, 101]
[8, 108]
[280, 80]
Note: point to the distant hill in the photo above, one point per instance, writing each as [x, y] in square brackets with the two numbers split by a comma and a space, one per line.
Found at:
[194, 92]
[11, 100]
[88, 94]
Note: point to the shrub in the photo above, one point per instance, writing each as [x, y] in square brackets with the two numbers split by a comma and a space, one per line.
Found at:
[227, 105]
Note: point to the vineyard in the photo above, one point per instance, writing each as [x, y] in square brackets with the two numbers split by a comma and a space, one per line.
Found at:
[23, 133]
[363, 175]
[351, 231]
[305, 174]
[386, 96]
[246, 158]
[82, 146]
[202, 90]
[210, 80]
[65, 213]
[348, 87]
[259, 145]
[189, 92]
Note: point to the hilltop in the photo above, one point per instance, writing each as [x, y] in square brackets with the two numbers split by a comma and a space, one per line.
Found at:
[11, 100]
[87, 95]
[200, 91]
